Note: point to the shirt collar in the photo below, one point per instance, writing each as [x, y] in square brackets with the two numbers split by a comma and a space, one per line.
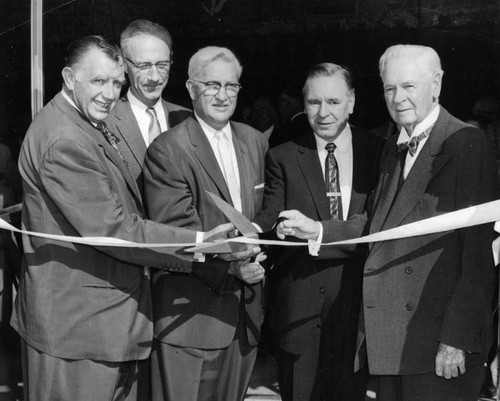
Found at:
[342, 142]
[73, 104]
[420, 127]
[134, 102]
[211, 131]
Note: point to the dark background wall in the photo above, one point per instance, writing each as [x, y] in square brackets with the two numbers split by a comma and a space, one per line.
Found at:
[276, 40]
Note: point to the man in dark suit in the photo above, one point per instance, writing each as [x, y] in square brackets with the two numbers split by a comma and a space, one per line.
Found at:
[314, 304]
[205, 342]
[142, 114]
[84, 313]
[427, 300]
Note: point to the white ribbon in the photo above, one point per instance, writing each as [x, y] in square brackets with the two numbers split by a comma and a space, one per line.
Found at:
[471, 216]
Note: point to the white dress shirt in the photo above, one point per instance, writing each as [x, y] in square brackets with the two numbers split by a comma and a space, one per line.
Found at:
[143, 118]
[210, 134]
[343, 155]
[419, 128]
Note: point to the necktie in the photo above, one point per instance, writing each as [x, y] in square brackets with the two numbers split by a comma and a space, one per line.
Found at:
[111, 138]
[412, 145]
[154, 125]
[333, 183]
[229, 170]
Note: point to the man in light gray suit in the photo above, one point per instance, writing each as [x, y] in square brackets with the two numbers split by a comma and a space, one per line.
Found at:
[84, 313]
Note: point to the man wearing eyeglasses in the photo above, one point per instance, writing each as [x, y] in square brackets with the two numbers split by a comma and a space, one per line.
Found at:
[141, 115]
[205, 342]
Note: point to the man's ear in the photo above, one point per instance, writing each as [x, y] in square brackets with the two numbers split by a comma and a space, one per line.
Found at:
[190, 86]
[437, 80]
[68, 77]
[352, 102]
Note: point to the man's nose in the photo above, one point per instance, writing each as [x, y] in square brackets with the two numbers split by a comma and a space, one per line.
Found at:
[222, 93]
[324, 110]
[399, 95]
[110, 91]
[154, 74]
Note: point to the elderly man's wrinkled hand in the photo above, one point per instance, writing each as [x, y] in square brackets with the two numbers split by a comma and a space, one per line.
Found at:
[450, 361]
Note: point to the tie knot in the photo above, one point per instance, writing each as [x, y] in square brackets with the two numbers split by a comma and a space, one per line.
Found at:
[330, 147]
[102, 127]
[220, 135]
[412, 145]
[151, 111]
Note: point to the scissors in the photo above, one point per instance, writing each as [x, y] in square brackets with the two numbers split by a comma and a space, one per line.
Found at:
[242, 224]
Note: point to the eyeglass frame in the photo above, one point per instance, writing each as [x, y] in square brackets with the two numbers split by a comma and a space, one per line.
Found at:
[220, 85]
[146, 66]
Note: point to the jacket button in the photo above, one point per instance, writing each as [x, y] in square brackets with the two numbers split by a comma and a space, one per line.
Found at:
[317, 326]
[409, 307]
[408, 270]
[322, 290]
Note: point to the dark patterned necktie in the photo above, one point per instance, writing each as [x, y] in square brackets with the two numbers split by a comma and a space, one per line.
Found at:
[412, 145]
[333, 183]
[111, 138]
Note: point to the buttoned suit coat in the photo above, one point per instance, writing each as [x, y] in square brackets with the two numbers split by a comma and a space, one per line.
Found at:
[180, 167]
[122, 122]
[306, 286]
[79, 301]
[433, 288]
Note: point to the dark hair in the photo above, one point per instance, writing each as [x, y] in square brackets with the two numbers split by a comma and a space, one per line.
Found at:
[144, 27]
[78, 48]
[329, 70]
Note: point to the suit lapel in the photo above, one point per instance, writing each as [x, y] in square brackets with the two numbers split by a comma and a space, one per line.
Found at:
[109, 151]
[203, 152]
[359, 174]
[428, 164]
[388, 187]
[245, 169]
[308, 160]
[129, 131]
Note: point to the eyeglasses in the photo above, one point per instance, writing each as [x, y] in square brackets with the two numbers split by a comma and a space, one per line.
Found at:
[213, 87]
[163, 67]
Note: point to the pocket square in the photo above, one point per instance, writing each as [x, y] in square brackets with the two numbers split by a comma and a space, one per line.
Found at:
[259, 186]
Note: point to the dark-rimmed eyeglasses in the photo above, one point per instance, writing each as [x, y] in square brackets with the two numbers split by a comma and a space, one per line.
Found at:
[161, 66]
[213, 87]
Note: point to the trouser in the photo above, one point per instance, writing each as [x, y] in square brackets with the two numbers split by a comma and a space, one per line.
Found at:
[48, 378]
[191, 374]
[430, 387]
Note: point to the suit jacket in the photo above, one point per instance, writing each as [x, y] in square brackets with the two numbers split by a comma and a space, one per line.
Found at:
[77, 301]
[180, 167]
[432, 288]
[306, 287]
[122, 122]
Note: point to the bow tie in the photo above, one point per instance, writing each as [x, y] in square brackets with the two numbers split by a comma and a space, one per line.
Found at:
[412, 145]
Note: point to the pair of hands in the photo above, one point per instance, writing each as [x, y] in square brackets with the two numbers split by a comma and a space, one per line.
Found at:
[244, 264]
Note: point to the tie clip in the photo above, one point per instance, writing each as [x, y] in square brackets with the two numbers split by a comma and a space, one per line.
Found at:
[333, 194]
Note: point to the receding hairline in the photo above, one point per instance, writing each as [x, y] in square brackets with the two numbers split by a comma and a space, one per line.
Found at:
[329, 70]
[207, 55]
[424, 56]
[143, 27]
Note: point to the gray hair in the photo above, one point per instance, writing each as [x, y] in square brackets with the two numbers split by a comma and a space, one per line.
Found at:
[144, 27]
[424, 56]
[329, 70]
[207, 55]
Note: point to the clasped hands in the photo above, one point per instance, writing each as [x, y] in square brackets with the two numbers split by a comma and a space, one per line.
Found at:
[244, 264]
